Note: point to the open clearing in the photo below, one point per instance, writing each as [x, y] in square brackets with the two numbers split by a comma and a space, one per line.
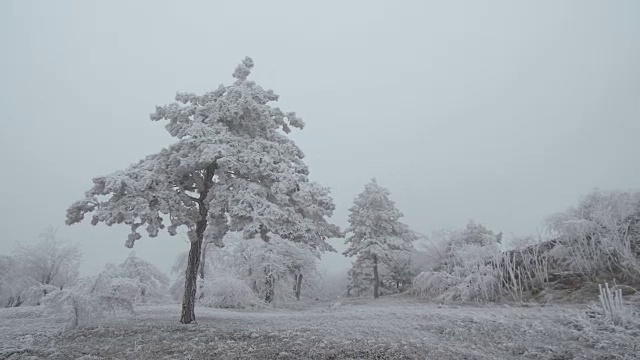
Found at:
[391, 328]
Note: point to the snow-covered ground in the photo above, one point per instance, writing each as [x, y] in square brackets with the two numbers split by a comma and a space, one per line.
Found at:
[389, 328]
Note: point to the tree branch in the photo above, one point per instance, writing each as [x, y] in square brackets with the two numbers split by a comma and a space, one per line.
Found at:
[191, 197]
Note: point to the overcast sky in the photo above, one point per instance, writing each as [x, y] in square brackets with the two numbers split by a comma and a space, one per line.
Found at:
[499, 111]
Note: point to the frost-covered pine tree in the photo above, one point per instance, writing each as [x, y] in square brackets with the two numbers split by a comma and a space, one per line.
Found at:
[360, 276]
[376, 232]
[232, 168]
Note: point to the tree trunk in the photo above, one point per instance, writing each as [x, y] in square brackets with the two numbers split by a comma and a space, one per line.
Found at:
[298, 286]
[195, 251]
[269, 284]
[76, 312]
[201, 268]
[376, 280]
[254, 283]
[191, 275]
[204, 255]
[269, 281]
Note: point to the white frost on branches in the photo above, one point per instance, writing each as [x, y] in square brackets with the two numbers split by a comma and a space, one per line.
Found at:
[232, 168]
[467, 269]
[229, 292]
[375, 227]
[85, 309]
[231, 160]
[13, 282]
[600, 235]
[377, 235]
[250, 262]
[49, 261]
[151, 284]
[37, 268]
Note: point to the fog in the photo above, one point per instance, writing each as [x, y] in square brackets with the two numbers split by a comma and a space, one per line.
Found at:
[502, 112]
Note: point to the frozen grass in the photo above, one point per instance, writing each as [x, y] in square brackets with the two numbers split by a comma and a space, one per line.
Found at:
[389, 328]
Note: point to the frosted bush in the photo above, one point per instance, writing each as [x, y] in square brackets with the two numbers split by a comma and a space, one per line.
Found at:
[600, 235]
[123, 288]
[229, 292]
[270, 269]
[475, 277]
[86, 304]
[467, 271]
[33, 296]
[480, 285]
[149, 282]
[13, 282]
[447, 287]
[433, 283]
[84, 309]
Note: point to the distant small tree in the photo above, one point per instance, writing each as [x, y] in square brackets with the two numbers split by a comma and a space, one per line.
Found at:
[267, 264]
[400, 271]
[297, 261]
[376, 232]
[263, 266]
[49, 261]
[474, 234]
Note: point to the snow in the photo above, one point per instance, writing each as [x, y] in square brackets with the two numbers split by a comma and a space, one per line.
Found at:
[387, 328]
